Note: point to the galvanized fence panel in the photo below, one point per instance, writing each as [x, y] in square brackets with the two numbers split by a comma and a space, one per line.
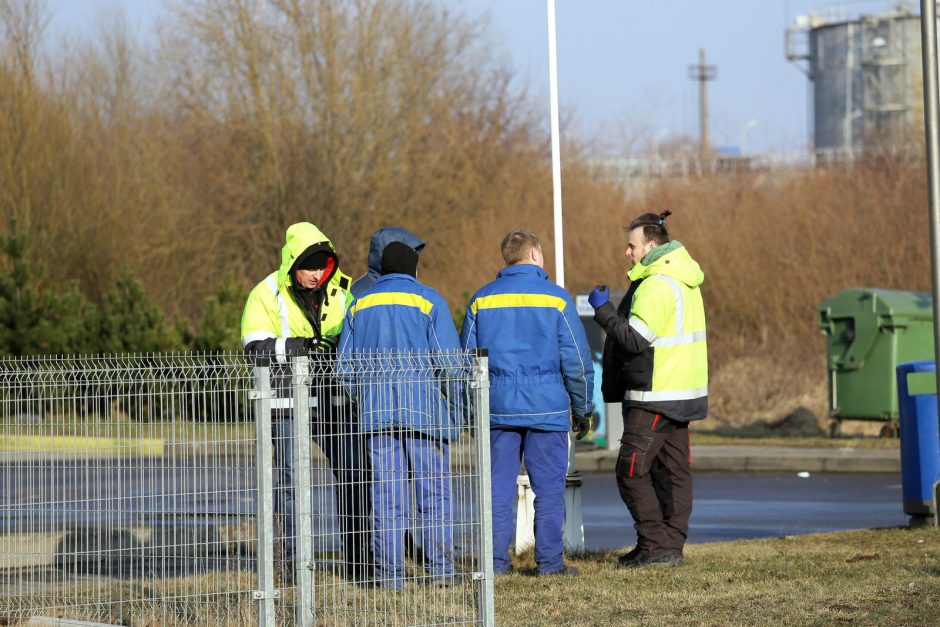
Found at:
[130, 492]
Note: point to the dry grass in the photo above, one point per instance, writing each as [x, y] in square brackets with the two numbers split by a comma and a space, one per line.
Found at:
[868, 577]
[872, 577]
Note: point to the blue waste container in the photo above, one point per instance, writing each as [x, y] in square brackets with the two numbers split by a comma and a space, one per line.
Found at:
[920, 436]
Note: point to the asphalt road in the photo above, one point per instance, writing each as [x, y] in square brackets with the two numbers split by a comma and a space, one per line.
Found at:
[735, 506]
[43, 496]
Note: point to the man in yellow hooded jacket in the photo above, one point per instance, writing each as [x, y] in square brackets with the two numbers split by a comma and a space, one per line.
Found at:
[656, 364]
[299, 309]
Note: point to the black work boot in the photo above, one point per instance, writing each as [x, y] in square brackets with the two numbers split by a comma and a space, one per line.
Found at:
[627, 559]
[644, 560]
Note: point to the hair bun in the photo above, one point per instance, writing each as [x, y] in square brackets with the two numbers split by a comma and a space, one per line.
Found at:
[665, 214]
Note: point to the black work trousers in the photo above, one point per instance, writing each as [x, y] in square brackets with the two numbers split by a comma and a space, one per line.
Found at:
[655, 479]
[335, 430]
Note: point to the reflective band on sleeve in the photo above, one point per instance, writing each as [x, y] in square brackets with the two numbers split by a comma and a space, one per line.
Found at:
[496, 301]
[280, 350]
[666, 395]
[256, 337]
[281, 306]
[640, 327]
[676, 340]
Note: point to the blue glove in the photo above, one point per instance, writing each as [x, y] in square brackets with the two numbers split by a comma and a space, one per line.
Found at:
[598, 296]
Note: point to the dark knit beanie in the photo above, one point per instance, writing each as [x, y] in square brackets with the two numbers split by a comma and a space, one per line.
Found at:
[314, 261]
[398, 258]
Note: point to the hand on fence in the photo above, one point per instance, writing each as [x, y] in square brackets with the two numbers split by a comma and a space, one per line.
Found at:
[308, 345]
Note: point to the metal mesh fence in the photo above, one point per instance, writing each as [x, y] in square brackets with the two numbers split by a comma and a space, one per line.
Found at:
[131, 490]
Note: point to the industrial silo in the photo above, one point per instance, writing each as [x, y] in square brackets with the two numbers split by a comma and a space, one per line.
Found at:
[866, 78]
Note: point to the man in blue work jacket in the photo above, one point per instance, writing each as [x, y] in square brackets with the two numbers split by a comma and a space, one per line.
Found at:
[398, 353]
[541, 384]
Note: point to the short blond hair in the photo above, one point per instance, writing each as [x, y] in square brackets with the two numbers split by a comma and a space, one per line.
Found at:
[516, 245]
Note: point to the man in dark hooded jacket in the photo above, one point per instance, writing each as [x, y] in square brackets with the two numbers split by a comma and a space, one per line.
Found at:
[380, 239]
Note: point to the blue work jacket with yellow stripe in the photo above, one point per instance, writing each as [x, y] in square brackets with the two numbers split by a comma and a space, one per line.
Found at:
[398, 359]
[540, 363]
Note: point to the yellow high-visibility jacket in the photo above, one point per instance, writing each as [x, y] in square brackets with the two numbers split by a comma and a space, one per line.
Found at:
[273, 313]
[655, 355]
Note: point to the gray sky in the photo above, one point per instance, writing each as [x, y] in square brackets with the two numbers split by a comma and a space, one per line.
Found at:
[623, 64]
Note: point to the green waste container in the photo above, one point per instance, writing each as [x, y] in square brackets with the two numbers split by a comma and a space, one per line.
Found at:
[870, 332]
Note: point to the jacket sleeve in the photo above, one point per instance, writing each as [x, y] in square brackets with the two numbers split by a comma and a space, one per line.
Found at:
[576, 364]
[468, 332]
[632, 336]
[260, 333]
[443, 332]
[449, 371]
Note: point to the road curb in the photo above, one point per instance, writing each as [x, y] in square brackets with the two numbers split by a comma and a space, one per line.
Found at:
[705, 458]
[734, 458]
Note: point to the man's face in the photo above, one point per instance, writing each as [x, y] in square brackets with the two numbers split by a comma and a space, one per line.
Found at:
[308, 279]
[637, 246]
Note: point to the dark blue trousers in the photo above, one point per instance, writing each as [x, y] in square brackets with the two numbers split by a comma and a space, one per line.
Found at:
[408, 466]
[546, 460]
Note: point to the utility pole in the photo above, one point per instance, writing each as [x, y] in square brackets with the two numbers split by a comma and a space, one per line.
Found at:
[928, 30]
[703, 73]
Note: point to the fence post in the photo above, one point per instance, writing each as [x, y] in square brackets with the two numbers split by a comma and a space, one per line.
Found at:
[303, 558]
[481, 400]
[265, 594]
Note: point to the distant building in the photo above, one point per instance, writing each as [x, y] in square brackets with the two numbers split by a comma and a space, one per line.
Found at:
[866, 77]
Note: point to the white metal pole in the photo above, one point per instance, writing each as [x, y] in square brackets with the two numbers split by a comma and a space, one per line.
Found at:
[574, 529]
[928, 29]
[556, 149]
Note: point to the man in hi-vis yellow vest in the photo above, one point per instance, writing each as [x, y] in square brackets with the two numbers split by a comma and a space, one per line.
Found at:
[656, 364]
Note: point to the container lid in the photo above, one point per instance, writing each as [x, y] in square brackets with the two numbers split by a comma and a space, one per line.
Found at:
[896, 307]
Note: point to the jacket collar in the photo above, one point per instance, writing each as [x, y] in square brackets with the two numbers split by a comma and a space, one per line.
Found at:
[522, 269]
[396, 277]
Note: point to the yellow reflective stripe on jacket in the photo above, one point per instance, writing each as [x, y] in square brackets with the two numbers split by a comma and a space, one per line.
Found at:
[495, 301]
[393, 298]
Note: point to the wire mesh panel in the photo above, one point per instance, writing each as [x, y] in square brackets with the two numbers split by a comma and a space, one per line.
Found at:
[130, 490]
[127, 489]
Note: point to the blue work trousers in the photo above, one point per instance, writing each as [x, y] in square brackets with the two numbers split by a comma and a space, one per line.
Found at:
[546, 461]
[409, 466]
